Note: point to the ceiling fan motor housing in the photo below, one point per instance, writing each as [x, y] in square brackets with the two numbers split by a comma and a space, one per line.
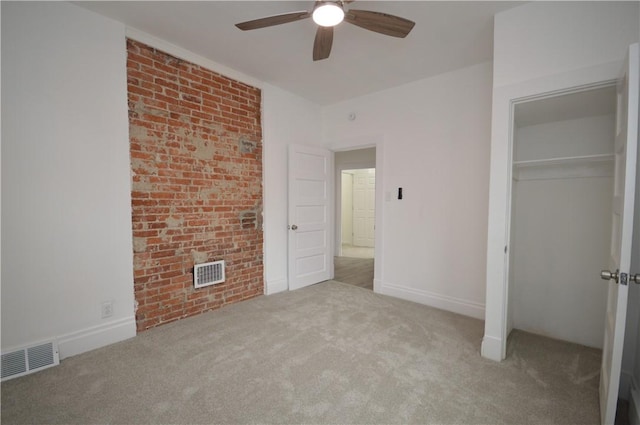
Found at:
[328, 13]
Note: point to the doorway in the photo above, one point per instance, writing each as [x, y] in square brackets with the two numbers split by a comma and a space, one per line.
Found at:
[561, 201]
[358, 212]
[355, 217]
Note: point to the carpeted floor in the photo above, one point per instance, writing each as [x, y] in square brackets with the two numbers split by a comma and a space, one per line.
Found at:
[329, 353]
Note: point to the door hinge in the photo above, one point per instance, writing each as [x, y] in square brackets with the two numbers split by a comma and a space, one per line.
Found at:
[623, 279]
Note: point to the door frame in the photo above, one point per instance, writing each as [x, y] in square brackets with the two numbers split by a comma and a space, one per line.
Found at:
[610, 84]
[510, 209]
[497, 320]
[378, 232]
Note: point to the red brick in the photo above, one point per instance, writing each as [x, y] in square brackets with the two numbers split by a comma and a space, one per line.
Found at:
[189, 120]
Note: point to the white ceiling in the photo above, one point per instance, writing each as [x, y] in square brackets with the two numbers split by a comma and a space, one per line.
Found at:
[448, 35]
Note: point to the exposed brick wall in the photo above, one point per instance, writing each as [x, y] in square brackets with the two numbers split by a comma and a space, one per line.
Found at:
[196, 159]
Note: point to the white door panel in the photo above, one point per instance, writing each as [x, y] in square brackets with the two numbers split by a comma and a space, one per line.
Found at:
[346, 212]
[626, 145]
[310, 208]
[364, 207]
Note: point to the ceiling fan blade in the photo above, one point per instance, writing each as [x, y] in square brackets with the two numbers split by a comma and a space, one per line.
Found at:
[380, 22]
[270, 21]
[322, 43]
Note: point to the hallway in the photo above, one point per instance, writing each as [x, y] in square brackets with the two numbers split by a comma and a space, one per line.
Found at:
[355, 266]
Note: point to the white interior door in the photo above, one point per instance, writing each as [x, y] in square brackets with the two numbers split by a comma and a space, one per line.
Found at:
[626, 145]
[346, 210]
[310, 215]
[364, 207]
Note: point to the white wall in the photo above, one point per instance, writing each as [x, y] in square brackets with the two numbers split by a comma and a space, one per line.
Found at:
[549, 38]
[561, 236]
[355, 159]
[287, 119]
[433, 140]
[66, 221]
[541, 47]
[559, 139]
[65, 78]
[561, 231]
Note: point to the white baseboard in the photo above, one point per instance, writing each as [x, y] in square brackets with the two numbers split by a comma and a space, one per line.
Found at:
[377, 286]
[443, 302]
[276, 285]
[95, 337]
[491, 348]
[634, 403]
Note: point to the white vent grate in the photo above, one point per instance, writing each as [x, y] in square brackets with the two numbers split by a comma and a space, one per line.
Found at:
[29, 359]
[208, 274]
[14, 363]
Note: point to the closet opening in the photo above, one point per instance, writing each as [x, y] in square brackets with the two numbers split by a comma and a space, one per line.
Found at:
[560, 228]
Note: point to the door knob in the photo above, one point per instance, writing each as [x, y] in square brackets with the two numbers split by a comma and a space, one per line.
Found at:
[294, 227]
[607, 275]
[635, 278]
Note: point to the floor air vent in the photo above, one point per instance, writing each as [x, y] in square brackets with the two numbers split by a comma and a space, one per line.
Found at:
[208, 274]
[28, 360]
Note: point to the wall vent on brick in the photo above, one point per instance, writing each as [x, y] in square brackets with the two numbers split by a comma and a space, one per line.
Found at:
[208, 274]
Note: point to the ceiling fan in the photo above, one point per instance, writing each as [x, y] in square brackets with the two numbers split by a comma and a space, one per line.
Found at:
[328, 14]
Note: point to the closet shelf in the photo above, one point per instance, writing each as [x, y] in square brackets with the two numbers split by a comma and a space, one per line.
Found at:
[569, 160]
[567, 167]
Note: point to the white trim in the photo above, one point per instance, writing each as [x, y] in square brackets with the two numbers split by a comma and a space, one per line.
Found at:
[491, 348]
[96, 337]
[276, 285]
[377, 284]
[378, 252]
[443, 302]
[366, 142]
[498, 232]
[190, 56]
[564, 168]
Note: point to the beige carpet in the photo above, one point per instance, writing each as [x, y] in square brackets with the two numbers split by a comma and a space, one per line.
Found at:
[330, 353]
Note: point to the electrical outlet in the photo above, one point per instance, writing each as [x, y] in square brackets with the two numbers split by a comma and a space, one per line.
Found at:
[107, 309]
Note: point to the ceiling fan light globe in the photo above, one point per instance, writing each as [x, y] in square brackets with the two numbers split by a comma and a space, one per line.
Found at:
[328, 15]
